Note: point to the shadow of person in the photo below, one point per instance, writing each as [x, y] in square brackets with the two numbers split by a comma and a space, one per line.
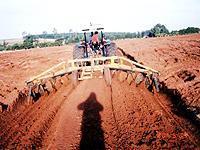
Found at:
[92, 135]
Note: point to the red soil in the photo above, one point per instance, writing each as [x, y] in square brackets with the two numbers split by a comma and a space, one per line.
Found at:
[17, 67]
[93, 115]
[177, 58]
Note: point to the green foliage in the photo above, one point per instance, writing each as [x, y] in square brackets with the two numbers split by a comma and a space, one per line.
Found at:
[58, 42]
[2, 47]
[17, 46]
[175, 32]
[128, 35]
[160, 30]
[76, 39]
[189, 30]
[120, 35]
[29, 42]
[44, 44]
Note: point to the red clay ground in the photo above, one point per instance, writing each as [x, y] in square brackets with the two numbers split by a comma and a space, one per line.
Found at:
[177, 58]
[93, 115]
[98, 117]
[17, 67]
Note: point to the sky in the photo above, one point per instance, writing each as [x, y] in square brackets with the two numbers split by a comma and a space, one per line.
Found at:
[36, 16]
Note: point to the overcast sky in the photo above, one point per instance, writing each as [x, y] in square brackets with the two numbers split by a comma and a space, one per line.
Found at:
[36, 16]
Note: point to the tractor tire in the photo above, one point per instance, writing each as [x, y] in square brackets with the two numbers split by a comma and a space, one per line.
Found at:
[78, 52]
[111, 49]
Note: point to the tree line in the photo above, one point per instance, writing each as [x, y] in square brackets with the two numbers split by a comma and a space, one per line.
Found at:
[33, 41]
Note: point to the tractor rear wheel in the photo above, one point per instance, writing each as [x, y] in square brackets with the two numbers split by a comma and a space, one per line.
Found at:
[111, 49]
[78, 52]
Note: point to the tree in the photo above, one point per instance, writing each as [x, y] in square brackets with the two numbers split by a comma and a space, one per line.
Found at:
[76, 39]
[175, 32]
[55, 33]
[29, 42]
[159, 29]
[2, 47]
[128, 35]
[189, 30]
[139, 35]
[5, 43]
[44, 34]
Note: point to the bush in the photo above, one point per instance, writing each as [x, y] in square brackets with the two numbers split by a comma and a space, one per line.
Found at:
[2, 48]
[49, 44]
[189, 30]
[28, 42]
[17, 46]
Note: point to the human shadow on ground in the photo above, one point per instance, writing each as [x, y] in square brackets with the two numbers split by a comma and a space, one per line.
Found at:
[92, 135]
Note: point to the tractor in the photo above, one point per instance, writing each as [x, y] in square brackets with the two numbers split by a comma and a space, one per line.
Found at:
[86, 48]
[86, 63]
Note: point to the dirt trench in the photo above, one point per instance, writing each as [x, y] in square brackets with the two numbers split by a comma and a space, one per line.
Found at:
[96, 116]
[93, 115]
[177, 60]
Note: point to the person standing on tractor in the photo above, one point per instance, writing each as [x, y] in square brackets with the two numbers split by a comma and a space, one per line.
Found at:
[95, 42]
[90, 40]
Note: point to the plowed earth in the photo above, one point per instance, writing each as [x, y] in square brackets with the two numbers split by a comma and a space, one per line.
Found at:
[93, 115]
[178, 60]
